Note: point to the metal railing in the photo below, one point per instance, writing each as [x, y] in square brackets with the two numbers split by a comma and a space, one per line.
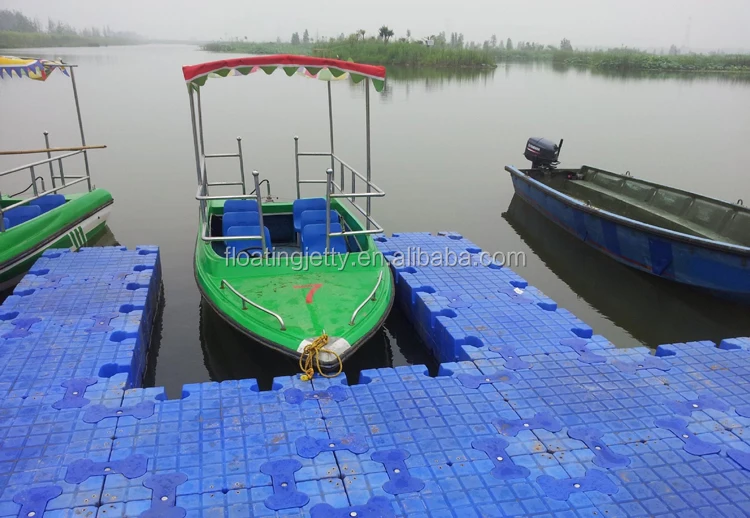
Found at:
[370, 297]
[246, 301]
[204, 216]
[62, 177]
[237, 155]
[338, 190]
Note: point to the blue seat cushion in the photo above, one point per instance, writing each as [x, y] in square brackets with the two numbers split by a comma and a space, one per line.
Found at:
[239, 219]
[314, 239]
[248, 245]
[303, 204]
[310, 217]
[49, 202]
[240, 206]
[21, 214]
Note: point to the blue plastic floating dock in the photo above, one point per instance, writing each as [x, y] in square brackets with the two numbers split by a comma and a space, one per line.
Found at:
[530, 415]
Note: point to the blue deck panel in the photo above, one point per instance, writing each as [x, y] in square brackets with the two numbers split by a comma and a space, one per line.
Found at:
[531, 413]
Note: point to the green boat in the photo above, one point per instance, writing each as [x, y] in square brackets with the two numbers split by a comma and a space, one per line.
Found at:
[302, 277]
[38, 218]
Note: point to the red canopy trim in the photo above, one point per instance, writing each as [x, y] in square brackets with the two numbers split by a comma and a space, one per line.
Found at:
[196, 74]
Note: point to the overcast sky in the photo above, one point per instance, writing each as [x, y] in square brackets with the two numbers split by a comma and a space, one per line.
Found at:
[700, 24]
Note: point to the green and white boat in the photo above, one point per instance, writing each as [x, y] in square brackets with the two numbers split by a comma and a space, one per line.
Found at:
[45, 218]
[302, 277]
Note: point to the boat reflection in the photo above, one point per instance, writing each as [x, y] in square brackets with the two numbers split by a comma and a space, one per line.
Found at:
[651, 310]
[105, 238]
[230, 355]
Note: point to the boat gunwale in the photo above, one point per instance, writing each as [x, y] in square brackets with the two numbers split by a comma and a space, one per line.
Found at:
[679, 236]
[54, 237]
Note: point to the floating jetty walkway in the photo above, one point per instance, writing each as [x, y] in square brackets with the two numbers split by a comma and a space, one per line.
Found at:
[530, 415]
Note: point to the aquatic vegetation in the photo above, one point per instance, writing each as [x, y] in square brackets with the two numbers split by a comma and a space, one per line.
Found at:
[253, 47]
[415, 54]
[632, 60]
[404, 53]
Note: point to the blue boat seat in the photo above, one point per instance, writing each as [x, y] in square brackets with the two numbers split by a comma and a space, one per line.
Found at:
[240, 206]
[310, 217]
[247, 245]
[6, 223]
[304, 204]
[314, 239]
[239, 219]
[49, 202]
[21, 215]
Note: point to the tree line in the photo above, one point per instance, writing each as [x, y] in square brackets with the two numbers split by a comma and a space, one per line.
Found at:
[15, 21]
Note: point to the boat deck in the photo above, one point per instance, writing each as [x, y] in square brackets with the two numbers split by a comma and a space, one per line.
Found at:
[657, 205]
[531, 414]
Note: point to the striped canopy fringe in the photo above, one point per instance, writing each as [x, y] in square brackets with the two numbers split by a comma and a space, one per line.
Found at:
[320, 68]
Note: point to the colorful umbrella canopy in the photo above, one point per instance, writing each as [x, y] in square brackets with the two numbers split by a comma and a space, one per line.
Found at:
[320, 68]
[37, 69]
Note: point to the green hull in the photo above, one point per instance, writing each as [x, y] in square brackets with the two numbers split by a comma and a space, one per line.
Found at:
[73, 225]
[311, 294]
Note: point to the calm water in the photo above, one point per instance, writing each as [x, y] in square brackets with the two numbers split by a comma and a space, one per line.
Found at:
[439, 146]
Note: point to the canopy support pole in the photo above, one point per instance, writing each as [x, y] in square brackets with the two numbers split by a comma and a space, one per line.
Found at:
[49, 157]
[80, 125]
[200, 122]
[369, 164]
[201, 207]
[330, 121]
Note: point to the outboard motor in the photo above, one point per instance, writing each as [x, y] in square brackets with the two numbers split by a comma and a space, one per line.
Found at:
[542, 153]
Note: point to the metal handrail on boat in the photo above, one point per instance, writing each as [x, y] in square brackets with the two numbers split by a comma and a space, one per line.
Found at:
[370, 297]
[50, 160]
[338, 190]
[246, 301]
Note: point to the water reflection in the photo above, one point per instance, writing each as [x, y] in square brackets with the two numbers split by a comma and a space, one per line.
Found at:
[654, 311]
[684, 77]
[230, 355]
[625, 76]
[433, 79]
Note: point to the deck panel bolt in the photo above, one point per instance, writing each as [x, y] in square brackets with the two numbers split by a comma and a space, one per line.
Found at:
[577, 486]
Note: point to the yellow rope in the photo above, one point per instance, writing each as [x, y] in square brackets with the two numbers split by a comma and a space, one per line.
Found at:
[310, 358]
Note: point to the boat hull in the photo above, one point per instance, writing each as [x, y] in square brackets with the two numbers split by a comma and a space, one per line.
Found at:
[719, 268]
[80, 221]
[319, 296]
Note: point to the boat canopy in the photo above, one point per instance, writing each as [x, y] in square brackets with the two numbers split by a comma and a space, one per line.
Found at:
[33, 68]
[324, 69]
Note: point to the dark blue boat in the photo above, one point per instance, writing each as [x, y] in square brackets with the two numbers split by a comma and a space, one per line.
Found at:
[667, 232]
